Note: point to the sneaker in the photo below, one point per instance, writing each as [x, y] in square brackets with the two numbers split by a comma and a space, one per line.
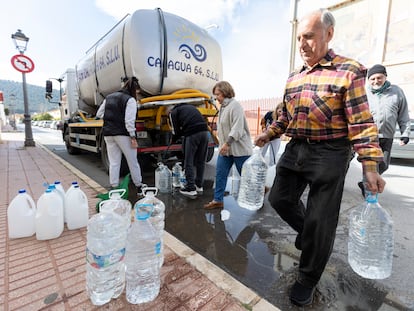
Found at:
[301, 295]
[189, 193]
[199, 190]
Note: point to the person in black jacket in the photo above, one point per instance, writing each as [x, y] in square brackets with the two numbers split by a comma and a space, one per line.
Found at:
[119, 111]
[187, 121]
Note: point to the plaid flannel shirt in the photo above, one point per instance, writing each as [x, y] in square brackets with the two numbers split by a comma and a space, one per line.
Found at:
[328, 101]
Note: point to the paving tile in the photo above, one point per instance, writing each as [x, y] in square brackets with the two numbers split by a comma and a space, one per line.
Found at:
[50, 275]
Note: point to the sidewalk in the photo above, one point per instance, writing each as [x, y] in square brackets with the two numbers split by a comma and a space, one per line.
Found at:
[50, 275]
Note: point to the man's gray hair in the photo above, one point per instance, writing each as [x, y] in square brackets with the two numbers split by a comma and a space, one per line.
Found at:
[327, 18]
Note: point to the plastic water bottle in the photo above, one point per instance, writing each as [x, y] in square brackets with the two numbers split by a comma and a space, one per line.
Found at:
[61, 192]
[105, 254]
[141, 259]
[163, 178]
[77, 209]
[183, 179]
[49, 215]
[151, 204]
[252, 182]
[117, 205]
[21, 216]
[176, 174]
[371, 240]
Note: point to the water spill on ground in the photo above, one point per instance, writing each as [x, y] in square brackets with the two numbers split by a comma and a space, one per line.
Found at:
[256, 248]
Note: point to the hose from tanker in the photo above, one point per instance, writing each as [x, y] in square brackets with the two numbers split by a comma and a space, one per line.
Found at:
[164, 51]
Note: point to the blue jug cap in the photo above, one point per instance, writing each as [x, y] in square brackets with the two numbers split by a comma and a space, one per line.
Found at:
[57, 182]
[371, 198]
[52, 186]
[48, 190]
[22, 190]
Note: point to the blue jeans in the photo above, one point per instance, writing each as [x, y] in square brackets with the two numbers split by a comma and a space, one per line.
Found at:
[224, 164]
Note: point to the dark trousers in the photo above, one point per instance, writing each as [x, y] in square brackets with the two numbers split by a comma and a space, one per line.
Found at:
[195, 154]
[386, 146]
[322, 166]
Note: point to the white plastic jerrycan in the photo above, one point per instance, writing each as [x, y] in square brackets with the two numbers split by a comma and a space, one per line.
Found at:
[77, 209]
[49, 216]
[21, 216]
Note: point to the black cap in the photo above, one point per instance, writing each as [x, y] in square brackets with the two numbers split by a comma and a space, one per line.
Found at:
[377, 69]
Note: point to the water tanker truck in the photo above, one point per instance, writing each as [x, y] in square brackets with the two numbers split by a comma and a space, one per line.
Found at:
[174, 60]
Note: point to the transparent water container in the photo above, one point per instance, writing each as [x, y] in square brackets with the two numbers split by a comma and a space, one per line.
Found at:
[371, 240]
[252, 182]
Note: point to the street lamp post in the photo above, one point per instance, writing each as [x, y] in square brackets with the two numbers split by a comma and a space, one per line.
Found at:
[20, 41]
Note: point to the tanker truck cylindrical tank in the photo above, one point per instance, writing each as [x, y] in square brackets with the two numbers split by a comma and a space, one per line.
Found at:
[164, 51]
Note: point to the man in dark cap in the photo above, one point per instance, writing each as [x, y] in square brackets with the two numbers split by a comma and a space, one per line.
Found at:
[389, 107]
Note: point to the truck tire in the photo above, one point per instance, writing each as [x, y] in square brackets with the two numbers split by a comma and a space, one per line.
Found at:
[69, 148]
[105, 161]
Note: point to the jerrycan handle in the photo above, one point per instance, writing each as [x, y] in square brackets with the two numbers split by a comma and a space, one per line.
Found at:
[149, 189]
[121, 192]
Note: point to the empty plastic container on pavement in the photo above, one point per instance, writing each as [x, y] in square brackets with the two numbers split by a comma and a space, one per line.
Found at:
[371, 240]
[61, 191]
[163, 178]
[21, 214]
[176, 174]
[49, 215]
[151, 204]
[141, 258]
[105, 254]
[117, 205]
[77, 209]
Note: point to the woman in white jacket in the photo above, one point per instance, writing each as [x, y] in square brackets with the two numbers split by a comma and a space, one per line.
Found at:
[234, 137]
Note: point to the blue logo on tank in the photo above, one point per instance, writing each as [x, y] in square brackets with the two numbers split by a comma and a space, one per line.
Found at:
[198, 52]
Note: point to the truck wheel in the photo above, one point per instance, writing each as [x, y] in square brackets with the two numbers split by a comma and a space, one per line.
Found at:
[210, 154]
[105, 161]
[69, 148]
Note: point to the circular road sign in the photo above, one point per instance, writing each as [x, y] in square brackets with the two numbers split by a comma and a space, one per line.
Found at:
[22, 63]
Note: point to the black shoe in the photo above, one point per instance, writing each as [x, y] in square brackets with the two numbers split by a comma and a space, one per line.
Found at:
[362, 187]
[298, 242]
[189, 193]
[301, 295]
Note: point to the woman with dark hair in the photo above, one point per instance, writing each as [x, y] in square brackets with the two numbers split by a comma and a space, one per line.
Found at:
[235, 144]
[119, 111]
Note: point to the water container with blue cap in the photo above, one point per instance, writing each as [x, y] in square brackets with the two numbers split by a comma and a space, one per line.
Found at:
[143, 249]
[371, 240]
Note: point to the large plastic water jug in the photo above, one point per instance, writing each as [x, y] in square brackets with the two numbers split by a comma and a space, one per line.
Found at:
[105, 254]
[177, 171]
[117, 205]
[252, 182]
[61, 191]
[163, 178]
[371, 240]
[60, 195]
[21, 215]
[141, 259]
[233, 182]
[77, 209]
[156, 208]
[49, 216]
